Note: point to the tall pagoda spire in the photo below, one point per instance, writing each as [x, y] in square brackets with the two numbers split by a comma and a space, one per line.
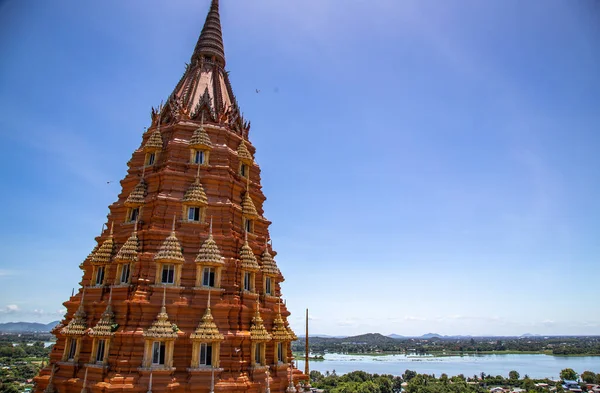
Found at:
[210, 42]
[226, 323]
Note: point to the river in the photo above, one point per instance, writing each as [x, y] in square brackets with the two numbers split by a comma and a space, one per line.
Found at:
[535, 366]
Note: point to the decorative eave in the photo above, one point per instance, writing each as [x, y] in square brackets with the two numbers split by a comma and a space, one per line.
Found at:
[129, 251]
[258, 332]
[195, 194]
[209, 253]
[269, 267]
[106, 324]
[78, 325]
[280, 333]
[248, 208]
[247, 258]
[161, 328]
[170, 250]
[155, 142]
[243, 153]
[138, 195]
[200, 139]
[207, 330]
[293, 336]
[105, 252]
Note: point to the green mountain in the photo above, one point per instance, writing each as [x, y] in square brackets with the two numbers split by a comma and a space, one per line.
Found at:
[26, 327]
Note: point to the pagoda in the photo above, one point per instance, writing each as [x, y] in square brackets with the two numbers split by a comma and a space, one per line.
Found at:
[182, 292]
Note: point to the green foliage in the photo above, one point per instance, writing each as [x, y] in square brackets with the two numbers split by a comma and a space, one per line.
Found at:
[362, 382]
[568, 373]
[514, 375]
[589, 377]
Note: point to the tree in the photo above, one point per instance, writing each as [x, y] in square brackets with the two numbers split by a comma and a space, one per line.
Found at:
[514, 375]
[408, 375]
[568, 374]
[588, 377]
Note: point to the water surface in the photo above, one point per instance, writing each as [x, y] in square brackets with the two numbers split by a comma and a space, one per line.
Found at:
[535, 366]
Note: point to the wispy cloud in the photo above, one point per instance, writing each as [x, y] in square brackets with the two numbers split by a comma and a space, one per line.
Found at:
[10, 309]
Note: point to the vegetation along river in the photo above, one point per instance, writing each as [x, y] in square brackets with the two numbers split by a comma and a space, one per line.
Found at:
[535, 366]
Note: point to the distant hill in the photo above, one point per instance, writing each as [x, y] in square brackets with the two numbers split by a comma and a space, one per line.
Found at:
[431, 335]
[370, 339]
[396, 336]
[26, 327]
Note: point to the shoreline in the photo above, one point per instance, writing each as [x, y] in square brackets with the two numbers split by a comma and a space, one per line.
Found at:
[320, 357]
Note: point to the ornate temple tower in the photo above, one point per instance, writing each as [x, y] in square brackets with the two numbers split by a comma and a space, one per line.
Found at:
[182, 293]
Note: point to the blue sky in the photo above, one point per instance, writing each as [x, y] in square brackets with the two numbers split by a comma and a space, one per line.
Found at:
[429, 166]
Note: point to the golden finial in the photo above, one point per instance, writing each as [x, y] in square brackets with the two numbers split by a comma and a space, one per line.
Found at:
[208, 301]
[112, 224]
[164, 307]
[150, 384]
[110, 296]
[135, 226]
[143, 172]
[173, 226]
[210, 227]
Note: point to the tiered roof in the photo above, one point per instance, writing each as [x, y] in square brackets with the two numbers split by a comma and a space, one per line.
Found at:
[162, 327]
[200, 138]
[129, 250]
[104, 327]
[78, 325]
[243, 153]
[258, 332]
[207, 330]
[209, 253]
[269, 267]
[170, 250]
[155, 142]
[195, 194]
[105, 252]
[280, 333]
[247, 258]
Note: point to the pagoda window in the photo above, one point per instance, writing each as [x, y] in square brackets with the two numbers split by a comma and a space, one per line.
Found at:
[244, 169]
[205, 355]
[125, 273]
[199, 157]
[248, 281]
[168, 274]
[99, 275]
[100, 348]
[268, 286]
[150, 158]
[195, 213]
[208, 276]
[133, 213]
[248, 225]
[258, 355]
[280, 352]
[158, 353]
[71, 353]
